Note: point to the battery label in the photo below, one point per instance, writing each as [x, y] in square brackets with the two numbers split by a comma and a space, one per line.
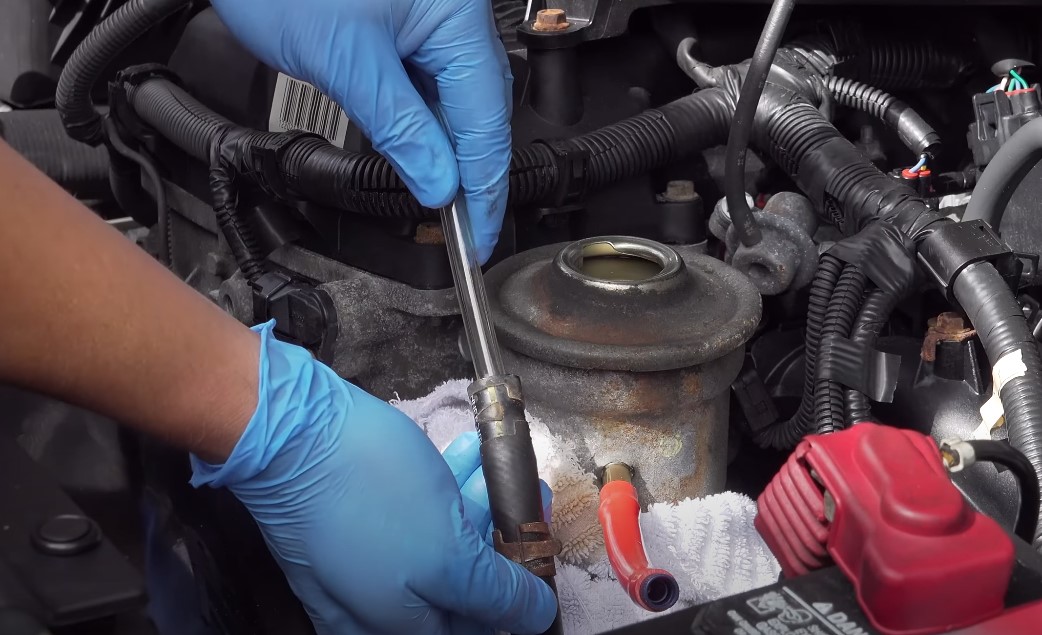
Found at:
[819, 604]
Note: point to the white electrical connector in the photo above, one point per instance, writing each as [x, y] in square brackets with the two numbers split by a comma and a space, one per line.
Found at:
[963, 452]
[1009, 367]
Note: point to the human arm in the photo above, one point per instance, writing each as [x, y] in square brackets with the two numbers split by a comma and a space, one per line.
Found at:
[356, 504]
[90, 318]
[365, 55]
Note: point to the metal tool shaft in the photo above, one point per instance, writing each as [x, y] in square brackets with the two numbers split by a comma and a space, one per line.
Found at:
[507, 456]
[470, 289]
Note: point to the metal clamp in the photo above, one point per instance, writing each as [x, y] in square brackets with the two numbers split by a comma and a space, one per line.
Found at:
[535, 553]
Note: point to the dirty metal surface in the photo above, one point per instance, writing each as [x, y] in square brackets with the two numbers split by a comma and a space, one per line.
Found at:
[703, 312]
[671, 426]
[636, 374]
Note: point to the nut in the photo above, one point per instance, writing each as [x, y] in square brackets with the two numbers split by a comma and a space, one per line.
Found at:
[550, 20]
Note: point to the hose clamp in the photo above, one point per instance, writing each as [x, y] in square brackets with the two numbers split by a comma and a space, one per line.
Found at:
[535, 551]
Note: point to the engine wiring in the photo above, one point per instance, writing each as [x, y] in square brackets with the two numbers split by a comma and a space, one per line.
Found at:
[921, 165]
[1012, 82]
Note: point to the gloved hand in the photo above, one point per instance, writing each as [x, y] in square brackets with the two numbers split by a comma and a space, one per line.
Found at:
[356, 51]
[464, 458]
[363, 514]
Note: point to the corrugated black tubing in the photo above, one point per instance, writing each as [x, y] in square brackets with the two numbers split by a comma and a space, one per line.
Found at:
[884, 63]
[844, 305]
[917, 135]
[367, 183]
[999, 321]
[874, 315]
[1001, 453]
[847, 189]
[97, 51]
[786, 434]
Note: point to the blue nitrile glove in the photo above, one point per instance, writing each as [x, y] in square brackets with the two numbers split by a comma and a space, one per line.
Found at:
[464, 458]
[356, 51]
[363, 514]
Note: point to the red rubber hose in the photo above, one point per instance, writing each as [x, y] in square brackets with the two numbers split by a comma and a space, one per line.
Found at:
[651, 589]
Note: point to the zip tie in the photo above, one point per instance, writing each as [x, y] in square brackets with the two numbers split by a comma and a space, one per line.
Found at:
[1009, 367]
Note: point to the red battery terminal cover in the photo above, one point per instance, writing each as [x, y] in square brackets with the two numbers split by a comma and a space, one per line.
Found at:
[878, 502]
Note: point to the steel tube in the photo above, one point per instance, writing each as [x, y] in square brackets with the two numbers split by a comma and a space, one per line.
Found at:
[470, 289]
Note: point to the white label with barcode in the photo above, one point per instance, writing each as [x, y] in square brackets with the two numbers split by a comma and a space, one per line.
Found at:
[298, 105]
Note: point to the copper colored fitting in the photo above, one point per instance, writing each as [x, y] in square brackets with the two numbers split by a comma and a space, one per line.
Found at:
[946, 327]
[550, 20]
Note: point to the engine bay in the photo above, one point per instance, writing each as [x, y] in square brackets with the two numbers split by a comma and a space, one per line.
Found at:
[864, 279]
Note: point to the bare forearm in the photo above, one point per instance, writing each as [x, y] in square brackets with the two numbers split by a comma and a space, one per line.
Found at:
[90, 318]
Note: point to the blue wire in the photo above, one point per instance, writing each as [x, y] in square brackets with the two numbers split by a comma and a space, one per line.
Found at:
[919, 166]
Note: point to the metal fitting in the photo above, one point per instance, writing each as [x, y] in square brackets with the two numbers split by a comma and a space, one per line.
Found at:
[946, 327]
[786, 256]
[535, 551]
[957, 455]
[550, 20]
[616, 472]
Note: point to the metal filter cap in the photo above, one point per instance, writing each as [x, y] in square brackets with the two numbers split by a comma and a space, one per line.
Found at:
[621, 303]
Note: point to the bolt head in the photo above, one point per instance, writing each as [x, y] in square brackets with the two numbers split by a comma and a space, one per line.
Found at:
[550, 20]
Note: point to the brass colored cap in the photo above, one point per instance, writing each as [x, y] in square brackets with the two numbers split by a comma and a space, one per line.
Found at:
[617, 472]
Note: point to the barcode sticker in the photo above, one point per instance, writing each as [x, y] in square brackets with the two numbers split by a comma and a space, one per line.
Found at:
[298, 105]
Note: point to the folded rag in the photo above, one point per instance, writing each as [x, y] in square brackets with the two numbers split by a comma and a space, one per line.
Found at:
[708, 544]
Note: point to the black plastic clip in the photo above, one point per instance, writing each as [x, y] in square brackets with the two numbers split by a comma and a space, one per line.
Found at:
[754, 399]
[264, 162]
[952, 247]
[119, 103]
[572, 170]
[303, 314]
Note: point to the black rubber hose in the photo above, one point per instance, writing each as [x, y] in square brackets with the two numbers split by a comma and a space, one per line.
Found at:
[166, 255]
[745, 114]
[1004, 454]
[786, 434]
[870, 321]
[38, 136]
[999, 321]
[366, 183]
[511, 472]
[1014, 160]
[97, 51]
[917, 135]
[844, 305]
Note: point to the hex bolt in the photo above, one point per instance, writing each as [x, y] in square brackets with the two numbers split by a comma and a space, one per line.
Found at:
[550, 20]
[950, 323]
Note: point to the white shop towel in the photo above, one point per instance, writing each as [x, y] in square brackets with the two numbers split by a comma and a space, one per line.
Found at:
[709, 544]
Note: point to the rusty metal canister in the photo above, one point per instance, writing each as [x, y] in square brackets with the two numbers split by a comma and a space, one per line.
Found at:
[627, 348]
